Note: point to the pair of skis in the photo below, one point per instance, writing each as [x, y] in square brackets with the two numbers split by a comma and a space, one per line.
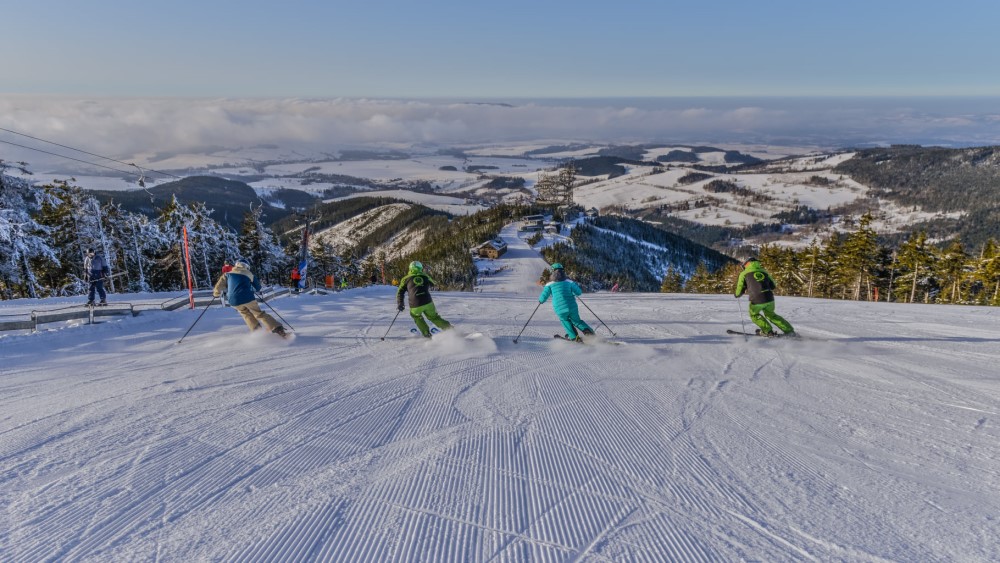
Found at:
[584, 341]
[774, 335]
[434, 330]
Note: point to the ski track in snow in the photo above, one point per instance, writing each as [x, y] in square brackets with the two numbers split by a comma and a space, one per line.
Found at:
[873, 437]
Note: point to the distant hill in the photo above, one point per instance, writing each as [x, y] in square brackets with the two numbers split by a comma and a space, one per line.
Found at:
[326, 215]
[601, 165]
[936, 179]
[228, 199]
[678, 155]
[633, 254]
[373, 223]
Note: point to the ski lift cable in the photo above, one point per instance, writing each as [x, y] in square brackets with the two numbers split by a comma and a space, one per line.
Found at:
[83, 151]
[142, 183]
[69, 157]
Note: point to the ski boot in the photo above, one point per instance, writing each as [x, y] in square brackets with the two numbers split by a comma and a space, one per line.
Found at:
[280, 331]
[759, 332]
[588, 332]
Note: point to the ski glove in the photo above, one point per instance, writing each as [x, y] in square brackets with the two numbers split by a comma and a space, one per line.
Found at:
[400, 308]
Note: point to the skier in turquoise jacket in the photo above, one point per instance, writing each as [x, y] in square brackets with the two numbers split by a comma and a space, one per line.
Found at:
[759, 287]
[563, 292]
[416, 285]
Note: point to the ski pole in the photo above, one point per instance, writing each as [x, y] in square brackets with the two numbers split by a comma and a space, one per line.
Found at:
[739, 306]
[261, 298]
[596, 317]
[398, 311]
[210, 303]
[526, 322]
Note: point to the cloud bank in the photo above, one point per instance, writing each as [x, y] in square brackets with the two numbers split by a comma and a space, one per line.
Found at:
[123, 127]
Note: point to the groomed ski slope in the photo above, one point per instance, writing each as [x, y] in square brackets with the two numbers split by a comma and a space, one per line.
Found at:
[874, 437]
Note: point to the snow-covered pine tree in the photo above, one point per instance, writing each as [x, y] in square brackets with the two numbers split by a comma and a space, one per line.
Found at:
[951, 269]
[22, 239]
[860, 254]
[75, 222]
[139, 243]
[915, 260]
[987, 273]
[325, 256]
[673, 281]
[209, 244]
[173, 217]
[259, 246]
[58, 213]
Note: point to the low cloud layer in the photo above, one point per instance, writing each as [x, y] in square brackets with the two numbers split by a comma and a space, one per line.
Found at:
[123, 128]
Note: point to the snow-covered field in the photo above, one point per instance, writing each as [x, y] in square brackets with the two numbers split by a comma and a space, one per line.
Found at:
[873, 437]
[782, 185]
[453, 205]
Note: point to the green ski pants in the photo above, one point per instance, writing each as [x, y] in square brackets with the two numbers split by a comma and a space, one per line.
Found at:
[761, 314]
[432, 315]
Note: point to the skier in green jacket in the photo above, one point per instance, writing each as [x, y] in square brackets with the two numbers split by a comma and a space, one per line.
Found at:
[417, 286]
[759, 285]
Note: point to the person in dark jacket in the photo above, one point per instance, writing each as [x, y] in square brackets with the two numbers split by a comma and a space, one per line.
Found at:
[563, 292]
[416, 285]
[98, 270]
[240, 286]
[759, 287]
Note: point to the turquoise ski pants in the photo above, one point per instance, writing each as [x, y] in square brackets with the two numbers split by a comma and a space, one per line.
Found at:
[572, 322]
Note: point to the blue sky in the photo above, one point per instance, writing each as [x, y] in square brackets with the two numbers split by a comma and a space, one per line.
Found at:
[514, 48]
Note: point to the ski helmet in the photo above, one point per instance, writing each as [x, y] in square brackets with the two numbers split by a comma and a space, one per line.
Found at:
[416, 266]
[242, 264]
[556, 266]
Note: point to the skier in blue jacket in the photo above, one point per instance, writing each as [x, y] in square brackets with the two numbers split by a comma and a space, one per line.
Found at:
[97, 267]
[563, 292]
[241, 286]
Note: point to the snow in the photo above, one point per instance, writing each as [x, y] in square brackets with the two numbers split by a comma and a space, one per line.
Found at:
[793, 190]
[271, 184]
[347, 234]
[873, 437]
[636, 190]
[513, 149]
[787, 180]
[427, 168]
[449, 204]
[122, 182]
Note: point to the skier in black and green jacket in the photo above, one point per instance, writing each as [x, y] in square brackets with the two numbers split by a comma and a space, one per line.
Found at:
[759, 285]
[417, 286]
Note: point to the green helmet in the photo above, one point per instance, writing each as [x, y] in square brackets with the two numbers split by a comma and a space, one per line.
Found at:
[416, 267]
[556, 266]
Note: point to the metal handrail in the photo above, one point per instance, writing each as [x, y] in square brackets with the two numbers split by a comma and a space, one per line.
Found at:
[31, 320]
